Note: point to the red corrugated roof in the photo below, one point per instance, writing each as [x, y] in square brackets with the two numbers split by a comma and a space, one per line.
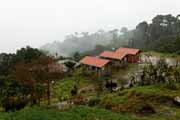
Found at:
[113, 55]
[131, 51]
[94, 61]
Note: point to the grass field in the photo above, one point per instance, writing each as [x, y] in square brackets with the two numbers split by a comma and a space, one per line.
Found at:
[76, 113]
[62, 88]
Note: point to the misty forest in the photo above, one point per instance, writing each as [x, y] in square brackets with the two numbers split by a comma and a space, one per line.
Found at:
[162, 35]
[120, 74]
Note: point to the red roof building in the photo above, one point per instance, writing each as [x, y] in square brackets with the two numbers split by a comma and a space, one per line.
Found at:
[133, 54]
[131, 51]
[96, 65]
[112, 55]
[117, 59]
[94, 61]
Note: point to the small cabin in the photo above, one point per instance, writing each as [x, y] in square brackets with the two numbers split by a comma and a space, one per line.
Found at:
[96, 65]
[133, 54]
[117, 59]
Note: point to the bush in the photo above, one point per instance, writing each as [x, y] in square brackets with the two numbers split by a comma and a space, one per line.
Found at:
[171, 86]
[14, 104]
[107, 101]
[94, 101]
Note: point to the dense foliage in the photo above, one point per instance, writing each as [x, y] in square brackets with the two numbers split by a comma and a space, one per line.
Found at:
[160, 73]
[25, 78]
[161, 35]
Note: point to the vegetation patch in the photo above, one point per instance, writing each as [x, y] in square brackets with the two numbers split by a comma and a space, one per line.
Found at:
[75, 113]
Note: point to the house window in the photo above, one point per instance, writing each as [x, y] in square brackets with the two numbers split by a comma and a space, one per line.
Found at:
[125, 59]
[103, 68]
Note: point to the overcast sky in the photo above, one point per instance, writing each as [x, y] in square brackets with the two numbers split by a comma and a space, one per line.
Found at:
[36, 22]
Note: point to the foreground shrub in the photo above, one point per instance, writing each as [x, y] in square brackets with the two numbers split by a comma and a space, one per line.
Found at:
[94, 101]
[11, 104]
[171, 86]
[107, 101]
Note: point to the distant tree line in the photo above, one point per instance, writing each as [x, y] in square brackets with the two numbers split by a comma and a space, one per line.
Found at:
[86, 42]
[162, 35]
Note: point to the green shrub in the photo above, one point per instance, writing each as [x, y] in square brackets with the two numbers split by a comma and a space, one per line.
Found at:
[94, 101]
[107, 101]
[171, 86]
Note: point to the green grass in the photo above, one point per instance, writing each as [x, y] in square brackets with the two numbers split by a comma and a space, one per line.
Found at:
[76, 113]
[167, 113]
[62, 88]
[163, 111]
[158, 89]
[114, 98]
[98, 112]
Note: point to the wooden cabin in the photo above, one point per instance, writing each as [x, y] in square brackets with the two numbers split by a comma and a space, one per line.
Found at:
[117, 59]
[96, 65]
[133, 54]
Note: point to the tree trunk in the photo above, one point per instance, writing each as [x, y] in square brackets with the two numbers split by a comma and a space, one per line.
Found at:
[111, 87]
[48, 93]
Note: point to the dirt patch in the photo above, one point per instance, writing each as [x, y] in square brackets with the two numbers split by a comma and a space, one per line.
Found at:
[90, 88]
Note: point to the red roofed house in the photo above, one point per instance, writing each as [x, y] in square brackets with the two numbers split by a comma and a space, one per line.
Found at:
[96, 65]
[117, 59]
[133, 54]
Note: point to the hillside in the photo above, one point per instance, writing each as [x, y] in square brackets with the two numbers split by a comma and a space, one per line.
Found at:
[127, 105]
[93, 101]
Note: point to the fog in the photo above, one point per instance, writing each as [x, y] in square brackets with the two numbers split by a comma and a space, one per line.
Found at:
[37, 22]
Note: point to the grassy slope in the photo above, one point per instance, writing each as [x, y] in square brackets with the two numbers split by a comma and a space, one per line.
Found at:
[62, 90]
[164, 111]
[77, 113]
